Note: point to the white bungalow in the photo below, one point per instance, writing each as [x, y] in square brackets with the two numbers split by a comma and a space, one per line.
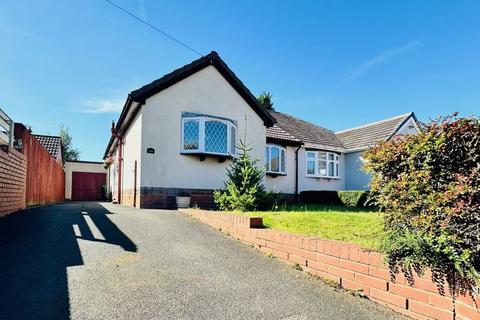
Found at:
[177, 135]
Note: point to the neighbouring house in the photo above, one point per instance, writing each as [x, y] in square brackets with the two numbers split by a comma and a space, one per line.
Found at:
[84, 180]
[327, 160]
[53, 144]
[177, 135]
[359, 139]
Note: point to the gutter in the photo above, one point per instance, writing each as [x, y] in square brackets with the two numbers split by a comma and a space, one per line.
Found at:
[296, 173]
[125, 110]
[116, 135]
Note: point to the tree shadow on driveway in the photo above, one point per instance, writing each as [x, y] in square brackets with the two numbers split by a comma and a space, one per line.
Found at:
[36, 247]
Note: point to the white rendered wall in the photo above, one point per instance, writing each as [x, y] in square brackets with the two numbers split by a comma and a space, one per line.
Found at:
[205, 92]
[131, 152]
[284, 183]
[409, 127]
[355, 177]
[309, 183]
[80, 167]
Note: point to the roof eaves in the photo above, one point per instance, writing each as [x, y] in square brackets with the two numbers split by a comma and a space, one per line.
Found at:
[123, 114]
[184, 72]
[287, 142]
[351, 150]
[244, 92]
[400, 125]
[324, 147]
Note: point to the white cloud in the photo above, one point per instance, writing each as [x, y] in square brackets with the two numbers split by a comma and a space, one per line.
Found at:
[14, 32]
[112, 101]
[364, 67]
[103, 105]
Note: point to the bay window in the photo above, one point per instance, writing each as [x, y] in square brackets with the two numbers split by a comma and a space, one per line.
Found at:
[322, 164]
[275, 159]
[210, 135]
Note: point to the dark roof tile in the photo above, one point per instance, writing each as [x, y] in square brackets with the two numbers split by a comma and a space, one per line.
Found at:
[211, 59]
[292, 129]
[53, 144]
[368, 135]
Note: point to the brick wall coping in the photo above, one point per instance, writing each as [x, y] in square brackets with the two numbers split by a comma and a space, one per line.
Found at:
[348, 265]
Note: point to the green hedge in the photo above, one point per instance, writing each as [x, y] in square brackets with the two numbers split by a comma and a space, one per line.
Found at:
[428, 185]
[320, 197]
[350, 198]
[353, 198]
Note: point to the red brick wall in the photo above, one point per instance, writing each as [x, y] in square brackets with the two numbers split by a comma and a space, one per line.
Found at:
[348, 265]
[12, 180]
[45, 176]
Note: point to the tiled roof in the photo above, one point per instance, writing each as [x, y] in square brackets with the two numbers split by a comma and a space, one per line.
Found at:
[53, 144]
[372, 133]
[276, 132]
[292, 129]
[211, 59]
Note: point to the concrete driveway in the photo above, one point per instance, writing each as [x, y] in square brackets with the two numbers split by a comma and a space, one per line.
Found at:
[103, 261]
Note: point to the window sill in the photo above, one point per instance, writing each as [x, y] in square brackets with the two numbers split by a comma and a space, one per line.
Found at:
[203, 155]
[275, 174]
[323, 177]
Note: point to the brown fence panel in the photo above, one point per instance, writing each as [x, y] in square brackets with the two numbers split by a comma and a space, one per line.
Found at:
[45, 176]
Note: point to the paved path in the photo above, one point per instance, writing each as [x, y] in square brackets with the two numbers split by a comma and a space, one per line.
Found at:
[92, 261]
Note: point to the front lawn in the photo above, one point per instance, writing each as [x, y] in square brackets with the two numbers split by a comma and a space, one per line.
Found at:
[353, 225]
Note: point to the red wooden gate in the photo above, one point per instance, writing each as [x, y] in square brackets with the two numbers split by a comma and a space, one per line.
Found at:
[87, 186]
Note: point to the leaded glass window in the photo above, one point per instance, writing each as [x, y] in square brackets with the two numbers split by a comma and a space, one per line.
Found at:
[208, 135]
[191, 135]
[216, 137]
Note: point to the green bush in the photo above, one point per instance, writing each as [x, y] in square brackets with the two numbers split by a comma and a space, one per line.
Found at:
[233, 199]
[429, 187]
[354, 198]
[269, 201]
[320, 197]
[244, 184]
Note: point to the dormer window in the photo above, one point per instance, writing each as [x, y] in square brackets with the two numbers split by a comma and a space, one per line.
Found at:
[208, 135]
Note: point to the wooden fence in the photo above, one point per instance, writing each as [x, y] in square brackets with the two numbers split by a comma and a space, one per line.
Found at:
[45, 178]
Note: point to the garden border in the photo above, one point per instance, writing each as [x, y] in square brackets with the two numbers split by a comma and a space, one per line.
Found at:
[348, 265]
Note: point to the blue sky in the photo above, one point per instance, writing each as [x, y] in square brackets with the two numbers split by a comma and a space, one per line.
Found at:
[337, 64]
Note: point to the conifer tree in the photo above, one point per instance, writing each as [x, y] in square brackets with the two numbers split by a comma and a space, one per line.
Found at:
[244, 183]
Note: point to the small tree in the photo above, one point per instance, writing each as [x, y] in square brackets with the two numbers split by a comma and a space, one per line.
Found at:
[429, 187]
[265, 100]
[69, 153]
[244, 184]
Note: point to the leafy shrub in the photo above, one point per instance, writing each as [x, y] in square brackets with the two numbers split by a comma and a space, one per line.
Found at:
[270, 200]
[233, 199]
[354, 198]
[429, 187]
[320, 197]
[244, 184]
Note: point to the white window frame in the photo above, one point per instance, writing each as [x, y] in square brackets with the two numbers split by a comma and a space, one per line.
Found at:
[269, 148]
[231, 129]
[316, 159]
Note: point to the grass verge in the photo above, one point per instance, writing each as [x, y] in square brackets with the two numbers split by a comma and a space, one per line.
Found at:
[353, 225]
